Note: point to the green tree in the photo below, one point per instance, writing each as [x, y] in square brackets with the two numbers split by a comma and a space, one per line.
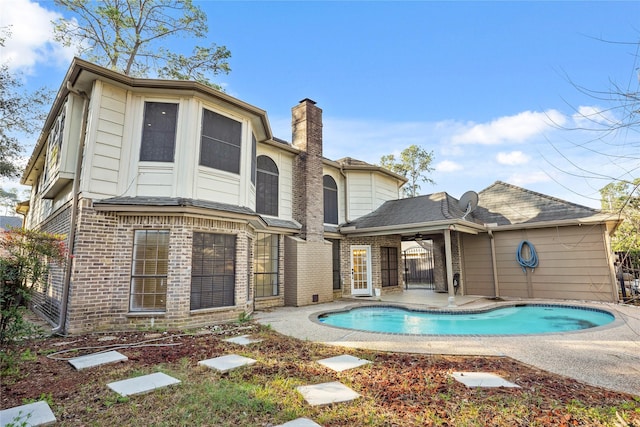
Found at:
[21, 113]
[413, 163]
[24, 264]
[129, 36]
[8, 199]
[624, 197]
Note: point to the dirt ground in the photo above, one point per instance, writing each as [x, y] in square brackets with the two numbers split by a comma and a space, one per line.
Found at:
[40, 370]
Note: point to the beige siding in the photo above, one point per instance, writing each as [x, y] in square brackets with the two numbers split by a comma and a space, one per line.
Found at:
[385, 188]
[477, 272]
[104, 155]
[368, 190]
[156, 181]
[360, 194]
[217, 186]
[573, 264]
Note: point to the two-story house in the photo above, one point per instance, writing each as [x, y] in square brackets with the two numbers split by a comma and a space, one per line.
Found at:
[181, 209]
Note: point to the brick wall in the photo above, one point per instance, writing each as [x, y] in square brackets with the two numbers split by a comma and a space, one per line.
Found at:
[308, 199]
[309, 272]
[99, 295]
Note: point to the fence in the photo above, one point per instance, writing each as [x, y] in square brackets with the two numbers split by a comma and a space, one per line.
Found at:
[418, 268]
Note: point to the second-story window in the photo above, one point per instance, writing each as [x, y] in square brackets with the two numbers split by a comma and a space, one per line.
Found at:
[159, 132]
[330, 200]
[220, 143]
[267, 186]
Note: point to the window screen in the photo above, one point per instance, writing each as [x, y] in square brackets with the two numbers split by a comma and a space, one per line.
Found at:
[213, 272]
[220, 142]
[330, 200]
[389, 266]
[159, 132]
[336, 263]
[267, 187]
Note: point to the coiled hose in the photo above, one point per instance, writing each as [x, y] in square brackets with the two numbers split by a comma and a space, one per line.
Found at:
[532, 261]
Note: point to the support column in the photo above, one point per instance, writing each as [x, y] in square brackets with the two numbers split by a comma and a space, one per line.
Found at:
[449, 264]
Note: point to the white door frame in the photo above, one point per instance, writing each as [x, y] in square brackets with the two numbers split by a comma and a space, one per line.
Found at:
[360, 256]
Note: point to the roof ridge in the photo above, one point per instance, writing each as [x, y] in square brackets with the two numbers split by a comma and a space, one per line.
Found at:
[544, 196]
[445, 208]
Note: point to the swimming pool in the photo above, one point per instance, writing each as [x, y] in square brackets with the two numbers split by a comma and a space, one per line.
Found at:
[509, 320]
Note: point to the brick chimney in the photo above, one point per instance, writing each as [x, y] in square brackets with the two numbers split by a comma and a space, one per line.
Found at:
[308, 209]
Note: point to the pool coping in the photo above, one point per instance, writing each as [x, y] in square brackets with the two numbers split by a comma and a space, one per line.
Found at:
[617, 321]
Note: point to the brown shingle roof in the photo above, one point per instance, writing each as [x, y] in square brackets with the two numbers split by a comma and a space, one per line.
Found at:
[415, 210]
[507, 204]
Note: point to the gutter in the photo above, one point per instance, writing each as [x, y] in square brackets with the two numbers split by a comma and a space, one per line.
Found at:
[66, 284]
[453, 225]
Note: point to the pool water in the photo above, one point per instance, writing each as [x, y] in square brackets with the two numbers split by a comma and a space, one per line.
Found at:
[512, 320]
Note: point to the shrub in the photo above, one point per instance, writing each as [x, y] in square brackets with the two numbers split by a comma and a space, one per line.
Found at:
[24, 263]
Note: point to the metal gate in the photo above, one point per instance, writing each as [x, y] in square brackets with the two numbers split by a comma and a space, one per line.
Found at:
[418, 268]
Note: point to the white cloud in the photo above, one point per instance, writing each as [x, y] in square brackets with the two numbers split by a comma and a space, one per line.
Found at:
[31, 40]
[527, 178]
[447, 166]
[509, 129]
[592, 117]
[513, 158]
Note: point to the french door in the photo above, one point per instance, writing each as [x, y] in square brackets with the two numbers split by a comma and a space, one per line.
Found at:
[361, 270]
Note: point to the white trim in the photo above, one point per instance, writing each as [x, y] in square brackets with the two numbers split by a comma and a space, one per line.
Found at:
[368, 291]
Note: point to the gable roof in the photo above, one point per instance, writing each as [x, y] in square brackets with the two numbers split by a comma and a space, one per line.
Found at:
[434, 211]
[507, 204]
[499, 205]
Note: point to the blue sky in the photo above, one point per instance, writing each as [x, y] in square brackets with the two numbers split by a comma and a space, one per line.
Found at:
[487, 86]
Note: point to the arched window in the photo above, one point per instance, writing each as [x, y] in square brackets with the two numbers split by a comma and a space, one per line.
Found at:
[330, 200]
[266, 186]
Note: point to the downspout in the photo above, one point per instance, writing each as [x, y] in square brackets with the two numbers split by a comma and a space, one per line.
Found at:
[60, 329]
[346, 198]
[494, 264]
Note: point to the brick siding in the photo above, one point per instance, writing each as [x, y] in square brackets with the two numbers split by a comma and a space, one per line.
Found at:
[376, 242]
[99, 295]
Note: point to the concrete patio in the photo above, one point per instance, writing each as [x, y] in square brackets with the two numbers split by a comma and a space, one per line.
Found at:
[606, 356]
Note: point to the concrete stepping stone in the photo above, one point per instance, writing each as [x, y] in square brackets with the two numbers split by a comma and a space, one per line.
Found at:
[300, 422]
[227, 363]
[342, 363]
[33, 414]
[243, 340]
[327, 393]
[482, 379]
[91, 360]
[143, 384]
